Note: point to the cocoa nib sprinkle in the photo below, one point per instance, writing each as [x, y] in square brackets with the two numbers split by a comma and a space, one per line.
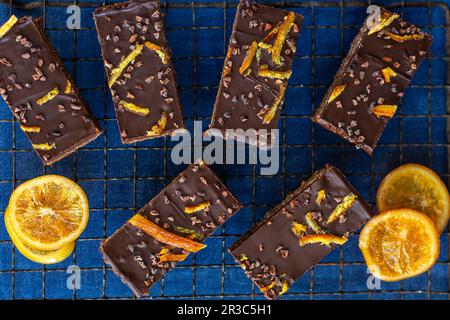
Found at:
[140, 75]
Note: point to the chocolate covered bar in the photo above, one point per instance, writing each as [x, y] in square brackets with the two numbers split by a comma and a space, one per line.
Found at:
[372, 79]
[256, 71]
[301, 231]
[40, 94]
[139, 69]
[169, 227]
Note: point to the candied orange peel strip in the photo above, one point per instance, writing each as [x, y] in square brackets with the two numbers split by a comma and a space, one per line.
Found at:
[282, 33]
[297, 228]
[406, 37]
[285, 287]
[44, 146]
[248, 57]
[170, 257]
[323, 239]
[270, 114]
[159, 127]
[30, 128]
[68, 88]
[321, 196]
[313, 224]
[48, 96]
[385, 110]
[7, 25]
[165, 236]
[342, 207]
[388, 73]
[272, 74]
[142, 111]
[386, 20]
[336, 92]
[268, 287]
[162, 55]
[198, 207]
[117, 71]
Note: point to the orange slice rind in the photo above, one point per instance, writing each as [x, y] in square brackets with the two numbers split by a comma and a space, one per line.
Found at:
[43, 257]
[399, 244]
[414, 186]
[48, 212]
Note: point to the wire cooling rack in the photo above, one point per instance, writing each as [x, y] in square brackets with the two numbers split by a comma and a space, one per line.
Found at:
[119, 179]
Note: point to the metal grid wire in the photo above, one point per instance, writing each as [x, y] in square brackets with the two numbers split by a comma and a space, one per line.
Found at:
[110, 171]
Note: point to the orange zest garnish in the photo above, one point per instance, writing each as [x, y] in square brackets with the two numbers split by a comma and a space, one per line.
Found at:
[44, 146]
[336, 92]
[116, 72]
[165, 236]
[30, 128]
[142, 111]
[248, 57]
[385, 110]
[198, 207]
[159, 127]
[298, 229]
[272, 74]
[313, 224]
[321, 196]
[386, 20]
[272, 32]
[169, 257]
[342, 207]
[406, 37]
[323, 239]
[7, 25]
[388, 73]
[270, 114]
[68, 88]
[48, 96]
[162, 55]
[283, 31]
[268, 287]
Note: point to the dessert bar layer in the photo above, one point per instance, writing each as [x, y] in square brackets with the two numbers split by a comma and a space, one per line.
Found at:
[301, 231]
[139, 69]
[169, 227]
[372, 79]
[40, 94]
[256, 71]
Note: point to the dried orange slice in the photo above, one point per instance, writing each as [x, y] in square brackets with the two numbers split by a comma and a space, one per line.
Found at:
[48, 212]
[44, 257]
[399, 244]
[414, 186]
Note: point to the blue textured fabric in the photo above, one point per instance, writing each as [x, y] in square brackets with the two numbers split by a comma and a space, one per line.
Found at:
[120, 179]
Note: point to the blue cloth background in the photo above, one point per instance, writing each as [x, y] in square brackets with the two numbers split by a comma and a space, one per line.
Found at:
[119, 179]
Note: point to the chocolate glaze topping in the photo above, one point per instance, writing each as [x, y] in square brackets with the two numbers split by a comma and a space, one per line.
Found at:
[375, 73]
[135, 255]
[245, 98]
[271, 254]
[148, 79]
[41, 95]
